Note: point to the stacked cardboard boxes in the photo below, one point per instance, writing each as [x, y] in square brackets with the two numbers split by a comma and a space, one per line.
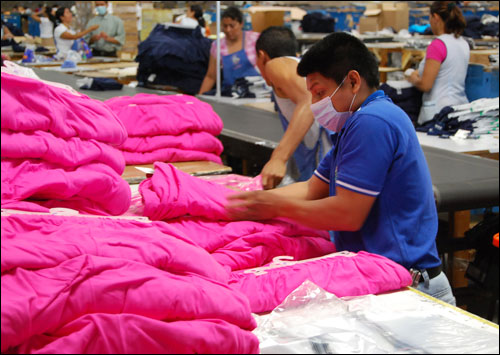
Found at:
[127, 11]
[385, 14]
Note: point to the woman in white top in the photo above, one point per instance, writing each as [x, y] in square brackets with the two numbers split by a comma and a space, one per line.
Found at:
[441, 75]
[64, 36]
[46, 20]
[193, 18]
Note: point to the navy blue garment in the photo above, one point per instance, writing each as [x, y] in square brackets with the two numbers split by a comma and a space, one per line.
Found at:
[176, 56]
[444, 126]
[102, 84]
[318, 22]
[408, 99]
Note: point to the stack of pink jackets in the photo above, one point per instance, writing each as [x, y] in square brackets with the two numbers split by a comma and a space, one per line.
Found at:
[169, 128]
[101, 285]
[57, 150]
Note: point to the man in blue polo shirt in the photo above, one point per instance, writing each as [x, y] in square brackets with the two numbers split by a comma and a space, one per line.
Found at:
[373, 189]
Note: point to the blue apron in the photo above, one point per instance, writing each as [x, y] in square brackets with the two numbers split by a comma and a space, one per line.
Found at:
[237, 65]
[305, 158]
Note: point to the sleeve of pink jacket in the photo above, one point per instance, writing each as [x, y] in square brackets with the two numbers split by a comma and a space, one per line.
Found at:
[343, 275]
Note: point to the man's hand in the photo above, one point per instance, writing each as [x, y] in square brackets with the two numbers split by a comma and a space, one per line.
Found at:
[272, 173]
[254, 205]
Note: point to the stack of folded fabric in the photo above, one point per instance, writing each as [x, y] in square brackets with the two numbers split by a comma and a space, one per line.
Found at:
[168, 128]
[174, 56]
[251, 87]
[58, 150]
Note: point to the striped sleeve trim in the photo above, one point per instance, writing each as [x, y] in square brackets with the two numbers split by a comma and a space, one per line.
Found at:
[355, 188]
[321, 177]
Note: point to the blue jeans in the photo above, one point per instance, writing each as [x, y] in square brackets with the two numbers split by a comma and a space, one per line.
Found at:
[439, 287]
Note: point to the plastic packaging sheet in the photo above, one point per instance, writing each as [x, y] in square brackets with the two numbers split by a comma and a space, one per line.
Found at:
[313, 321]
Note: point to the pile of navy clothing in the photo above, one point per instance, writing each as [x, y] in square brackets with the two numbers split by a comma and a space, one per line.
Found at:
[409, 99]
[174, 56]
[469, 117]
[251, 87]
[477, 27]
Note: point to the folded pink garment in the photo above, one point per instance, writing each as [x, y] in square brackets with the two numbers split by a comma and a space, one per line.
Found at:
[152, 115]
[92, 188]
[343, 274]
[30, 105]
[171, 155]
[197, 141]
[41, 301]
[69, 152]
[132, 334]
[260, 248]
[66, 237]
[214, 235]
[171, 193]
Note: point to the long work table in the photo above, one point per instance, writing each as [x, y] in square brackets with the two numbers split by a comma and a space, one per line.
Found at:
[461, 181]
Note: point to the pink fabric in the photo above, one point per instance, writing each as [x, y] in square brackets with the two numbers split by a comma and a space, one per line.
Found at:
[132, 334]
[41, 301]
[69, 152]
[153, 115]
[166, 248]
[236, 182]
[437, 50]
[362, 274]
[30, 105]
[250, 40]
[245, 244]
[169, 155]
[197, 141]
[92, 188]
[172, 193]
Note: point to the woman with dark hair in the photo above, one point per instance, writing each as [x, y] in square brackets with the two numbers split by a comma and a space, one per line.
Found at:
[64, 35]
[238, 53]
[441, 75]
[193, 18]
[45, 17]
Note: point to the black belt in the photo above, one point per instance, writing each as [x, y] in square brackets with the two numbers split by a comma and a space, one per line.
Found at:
[432, 272]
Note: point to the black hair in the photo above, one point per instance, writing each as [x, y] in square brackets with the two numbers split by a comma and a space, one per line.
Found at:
[454, 21]
[59, 14]
[234, 13]
[48, 12]
[277, 41]
[198, 15]
[337, 54]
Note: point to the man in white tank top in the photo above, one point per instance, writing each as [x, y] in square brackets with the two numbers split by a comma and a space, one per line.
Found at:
[303, 139]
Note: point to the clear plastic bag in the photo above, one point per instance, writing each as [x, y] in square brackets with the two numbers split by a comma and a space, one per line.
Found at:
[311, 320]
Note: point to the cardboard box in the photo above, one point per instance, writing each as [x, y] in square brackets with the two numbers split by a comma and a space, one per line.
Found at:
[262, 19]
[395, 15]
[371, 21]
[386, 14]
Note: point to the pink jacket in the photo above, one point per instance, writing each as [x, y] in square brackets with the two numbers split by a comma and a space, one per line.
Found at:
[166, 248]
[101, 333]
[35, 302]
[197, 141]
[170, 155]
[68, 153]
[343, 274]
[152, 115]
[92, 188]
[31, 105]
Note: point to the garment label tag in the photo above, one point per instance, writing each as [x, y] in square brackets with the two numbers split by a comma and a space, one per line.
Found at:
[145, 170]
[462, 134]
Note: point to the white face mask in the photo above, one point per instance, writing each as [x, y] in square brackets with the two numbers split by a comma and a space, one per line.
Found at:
[101, 10]
[327, 115]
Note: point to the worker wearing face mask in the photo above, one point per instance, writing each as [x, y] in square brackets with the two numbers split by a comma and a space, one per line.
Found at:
[110, 37]
[373, 190]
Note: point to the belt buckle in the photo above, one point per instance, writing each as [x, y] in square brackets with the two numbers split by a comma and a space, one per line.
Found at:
[415, 277]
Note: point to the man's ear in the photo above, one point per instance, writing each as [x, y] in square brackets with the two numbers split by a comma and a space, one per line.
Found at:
[354, 80]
